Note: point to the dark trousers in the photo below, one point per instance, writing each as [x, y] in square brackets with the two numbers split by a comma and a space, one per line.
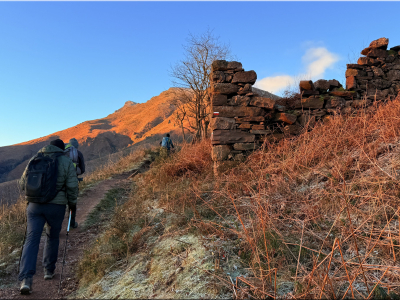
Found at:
[38, 215]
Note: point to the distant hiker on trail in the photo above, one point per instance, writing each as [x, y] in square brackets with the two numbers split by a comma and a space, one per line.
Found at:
[76, 156]
[71, 151]
[166, 143]
[50, 183]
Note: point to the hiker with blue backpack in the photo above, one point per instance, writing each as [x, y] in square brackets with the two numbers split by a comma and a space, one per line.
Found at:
[50, 183]
[166, 143]
[71, 150]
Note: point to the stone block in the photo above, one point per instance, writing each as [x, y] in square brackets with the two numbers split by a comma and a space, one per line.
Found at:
[377, 72]
[245, 146]
[390, 59]
[220, 152]
[228, 77]
[245, 89]
[355, 72]
[312, 102]
[224, 88]
[223, 137]
[295, 129]
[393, 75]
[381, 43]
[245, 77]
[318, 112]
[306, 85]
[343, 94]
[367, 61]
[375, 94]
[351, 83]
[264, 102]
[308, 93]
[286, 118]
[335, 102]
[250, 119]
[239, 101]
[333, 83]
[238, 111]
[374, 53]
[219, 99]
[234, 65]
[223, 123]
[354, 66]
[218, 76]
[321, 85]
[245, 126]
[379, 84]
[258, 127]
[261, 132]
[395, 48]
[351, 72]
[219, 65]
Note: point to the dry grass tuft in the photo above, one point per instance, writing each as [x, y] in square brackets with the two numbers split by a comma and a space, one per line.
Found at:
[189, 161]
[316, 216]
[12, 226]
[321, 211]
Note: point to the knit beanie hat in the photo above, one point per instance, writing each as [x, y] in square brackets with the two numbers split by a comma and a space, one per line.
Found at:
[74, 142]
[58, 143]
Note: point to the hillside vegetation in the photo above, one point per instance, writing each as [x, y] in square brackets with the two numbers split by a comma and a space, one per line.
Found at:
[313, 216]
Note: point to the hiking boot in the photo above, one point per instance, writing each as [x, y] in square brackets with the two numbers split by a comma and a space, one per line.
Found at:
[26, 286]
[48, 275]
[74, 224]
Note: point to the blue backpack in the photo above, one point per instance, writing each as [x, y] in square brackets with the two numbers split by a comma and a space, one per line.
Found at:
[165, 142]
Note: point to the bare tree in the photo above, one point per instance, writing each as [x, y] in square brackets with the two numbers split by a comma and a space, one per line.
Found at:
[191, 76]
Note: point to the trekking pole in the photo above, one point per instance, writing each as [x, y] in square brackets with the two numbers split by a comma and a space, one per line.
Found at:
[65, 251]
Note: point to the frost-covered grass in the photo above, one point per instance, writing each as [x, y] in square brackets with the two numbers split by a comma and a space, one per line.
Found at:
[312, 216]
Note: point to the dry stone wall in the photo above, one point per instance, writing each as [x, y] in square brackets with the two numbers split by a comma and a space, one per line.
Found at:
[243, 117]
[377, 74]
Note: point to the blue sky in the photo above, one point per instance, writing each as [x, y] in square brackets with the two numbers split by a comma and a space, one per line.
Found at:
[63, 63]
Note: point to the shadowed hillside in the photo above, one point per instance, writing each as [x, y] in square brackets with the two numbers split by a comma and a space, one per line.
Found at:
[133, 125]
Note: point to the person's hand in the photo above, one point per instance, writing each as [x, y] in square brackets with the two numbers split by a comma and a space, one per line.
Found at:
[72, 208]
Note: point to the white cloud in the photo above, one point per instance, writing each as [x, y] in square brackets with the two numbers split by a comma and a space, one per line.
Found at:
[274, 84]
[317, 61]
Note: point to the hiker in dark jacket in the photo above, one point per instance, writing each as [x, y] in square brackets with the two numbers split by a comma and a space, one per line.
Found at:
[81, 161]
[80, 169]
[166, 143]
[51, 213]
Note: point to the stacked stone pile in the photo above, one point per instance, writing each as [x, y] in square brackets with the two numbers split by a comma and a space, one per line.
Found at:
[325, 97]
[240, 115]
[377, 74]
[244, 117]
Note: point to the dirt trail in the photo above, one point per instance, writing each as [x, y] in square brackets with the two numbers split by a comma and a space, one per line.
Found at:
[77, 241]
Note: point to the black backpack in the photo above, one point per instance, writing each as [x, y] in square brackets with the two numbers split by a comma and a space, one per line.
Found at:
[41, 178]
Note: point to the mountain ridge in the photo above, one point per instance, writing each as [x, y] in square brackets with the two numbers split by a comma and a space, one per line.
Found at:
[123, 128]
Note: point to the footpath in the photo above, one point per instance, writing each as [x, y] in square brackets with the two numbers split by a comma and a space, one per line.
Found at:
[78, 241]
